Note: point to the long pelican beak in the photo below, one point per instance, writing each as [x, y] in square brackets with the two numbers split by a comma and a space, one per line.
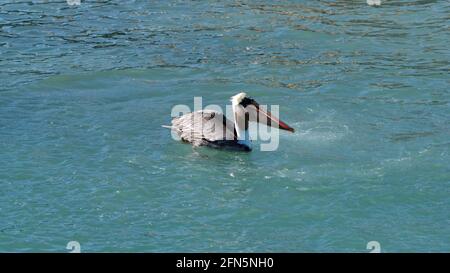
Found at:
[268, 119]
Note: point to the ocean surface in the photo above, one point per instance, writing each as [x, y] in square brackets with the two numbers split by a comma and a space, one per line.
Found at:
[84, 90]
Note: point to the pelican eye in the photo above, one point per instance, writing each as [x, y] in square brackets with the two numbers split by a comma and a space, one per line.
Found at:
[246, 101]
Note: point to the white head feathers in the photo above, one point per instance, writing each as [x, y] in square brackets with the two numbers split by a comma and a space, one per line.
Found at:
[236, 99]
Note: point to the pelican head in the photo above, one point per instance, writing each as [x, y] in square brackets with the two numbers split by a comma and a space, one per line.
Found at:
[246, 109]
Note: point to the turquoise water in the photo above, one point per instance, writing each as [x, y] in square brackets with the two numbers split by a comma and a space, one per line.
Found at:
[84, 90]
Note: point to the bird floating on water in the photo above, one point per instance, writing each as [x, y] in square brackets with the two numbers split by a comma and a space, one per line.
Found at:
[212, 129]
[376, 3]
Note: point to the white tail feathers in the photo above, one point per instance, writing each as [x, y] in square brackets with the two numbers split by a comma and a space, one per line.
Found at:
[166, 126]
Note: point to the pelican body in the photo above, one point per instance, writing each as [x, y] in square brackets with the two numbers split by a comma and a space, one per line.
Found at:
[212, 129]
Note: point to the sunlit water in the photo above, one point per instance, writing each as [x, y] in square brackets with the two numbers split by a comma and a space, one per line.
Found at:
[84, 90]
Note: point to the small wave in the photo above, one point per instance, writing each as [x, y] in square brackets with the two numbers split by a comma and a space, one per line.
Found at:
[321, 132]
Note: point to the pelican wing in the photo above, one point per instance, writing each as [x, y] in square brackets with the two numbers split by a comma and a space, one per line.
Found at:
[203, 127]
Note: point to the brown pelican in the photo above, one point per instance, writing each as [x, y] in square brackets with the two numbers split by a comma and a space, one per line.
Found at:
[213, 129]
